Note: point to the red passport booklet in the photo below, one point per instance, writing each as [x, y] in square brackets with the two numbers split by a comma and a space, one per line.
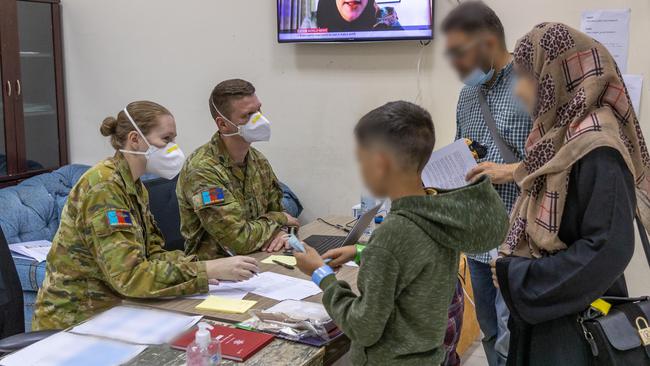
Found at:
[236, 344]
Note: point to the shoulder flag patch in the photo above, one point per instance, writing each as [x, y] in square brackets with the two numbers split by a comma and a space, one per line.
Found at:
[119, 218]
[211, 196]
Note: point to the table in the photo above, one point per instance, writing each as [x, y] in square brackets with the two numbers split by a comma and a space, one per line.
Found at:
[279, 352]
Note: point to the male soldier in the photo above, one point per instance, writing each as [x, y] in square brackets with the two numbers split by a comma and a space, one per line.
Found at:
[229, 198]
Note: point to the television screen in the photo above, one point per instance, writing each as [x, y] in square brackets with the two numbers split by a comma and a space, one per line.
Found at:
[354, 20]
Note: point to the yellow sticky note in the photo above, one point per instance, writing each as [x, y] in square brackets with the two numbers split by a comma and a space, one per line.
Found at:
[280, 258]
[225, 305]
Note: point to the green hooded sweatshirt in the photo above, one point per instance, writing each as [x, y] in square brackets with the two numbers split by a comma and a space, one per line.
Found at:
[408, 274]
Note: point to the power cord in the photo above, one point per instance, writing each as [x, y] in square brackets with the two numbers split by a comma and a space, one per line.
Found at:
[344, 228]
[418, 97]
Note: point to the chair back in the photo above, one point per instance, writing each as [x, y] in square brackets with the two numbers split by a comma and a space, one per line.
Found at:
[164, 207]
[12, 316]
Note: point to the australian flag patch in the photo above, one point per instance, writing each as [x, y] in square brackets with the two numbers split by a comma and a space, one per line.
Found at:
[212, 196]
[119, 218]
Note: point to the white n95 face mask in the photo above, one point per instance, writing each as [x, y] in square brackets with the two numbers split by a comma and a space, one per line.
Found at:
[258, 127]
[165, 162]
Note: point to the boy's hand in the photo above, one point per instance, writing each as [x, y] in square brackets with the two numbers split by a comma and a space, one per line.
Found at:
[340, 256]
[309, 261]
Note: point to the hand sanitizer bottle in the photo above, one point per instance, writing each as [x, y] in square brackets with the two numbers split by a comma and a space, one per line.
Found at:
[204, 351]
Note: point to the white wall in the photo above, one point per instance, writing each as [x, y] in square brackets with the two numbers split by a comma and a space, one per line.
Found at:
[174, 52]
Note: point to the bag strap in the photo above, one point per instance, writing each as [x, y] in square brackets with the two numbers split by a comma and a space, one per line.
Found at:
[644, 238]
[506, 153]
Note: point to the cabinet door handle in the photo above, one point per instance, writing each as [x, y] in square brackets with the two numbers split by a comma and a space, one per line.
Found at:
[19, 89]
[9, 88]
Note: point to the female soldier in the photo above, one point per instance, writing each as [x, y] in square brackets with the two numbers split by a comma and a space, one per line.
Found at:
[108, 246]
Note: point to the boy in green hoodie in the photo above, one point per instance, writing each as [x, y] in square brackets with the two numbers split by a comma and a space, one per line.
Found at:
[408, 269]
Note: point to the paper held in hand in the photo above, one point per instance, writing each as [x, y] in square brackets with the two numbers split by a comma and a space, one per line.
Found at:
[448, 166]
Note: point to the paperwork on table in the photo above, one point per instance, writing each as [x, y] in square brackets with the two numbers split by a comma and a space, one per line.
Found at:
[137, 325]
[448, 166]
[226, 305]
[223, 289]
[66, 349]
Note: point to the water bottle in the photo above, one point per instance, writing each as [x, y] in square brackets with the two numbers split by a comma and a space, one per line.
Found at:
[368, 202]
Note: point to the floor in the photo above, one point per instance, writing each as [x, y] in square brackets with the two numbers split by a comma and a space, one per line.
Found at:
[475, 356]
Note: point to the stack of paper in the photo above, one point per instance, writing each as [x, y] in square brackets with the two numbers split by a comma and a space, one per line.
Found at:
[225, 305]
[137, 325]
[36, 250]
[280, 287]
[223, 289]
[65, 349]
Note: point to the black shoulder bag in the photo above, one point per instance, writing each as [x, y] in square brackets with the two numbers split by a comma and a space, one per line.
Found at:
[622, 336]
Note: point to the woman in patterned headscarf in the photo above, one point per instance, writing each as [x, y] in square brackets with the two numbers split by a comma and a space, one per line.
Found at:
[583, 180]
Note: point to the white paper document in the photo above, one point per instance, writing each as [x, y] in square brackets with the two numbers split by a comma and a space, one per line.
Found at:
[36, 250]
[137, 325]
[448, 166]
[223, 289]
[634, 85]
[66, 349]
[278, 287]
[612, 29]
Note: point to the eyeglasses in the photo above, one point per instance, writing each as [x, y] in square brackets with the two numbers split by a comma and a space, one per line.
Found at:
[458, 52]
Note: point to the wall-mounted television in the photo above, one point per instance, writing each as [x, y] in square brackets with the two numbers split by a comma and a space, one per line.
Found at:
[354, 20]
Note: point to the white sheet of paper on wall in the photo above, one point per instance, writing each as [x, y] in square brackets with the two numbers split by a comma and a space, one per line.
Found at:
[612, 29]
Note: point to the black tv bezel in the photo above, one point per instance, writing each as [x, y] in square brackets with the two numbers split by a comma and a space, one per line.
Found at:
[353, 40]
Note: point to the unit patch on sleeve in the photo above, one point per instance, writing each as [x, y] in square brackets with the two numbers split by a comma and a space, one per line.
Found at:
[119, 218]
[210, 197]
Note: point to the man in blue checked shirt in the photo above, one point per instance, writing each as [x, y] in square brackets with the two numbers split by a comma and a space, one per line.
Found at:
[476, 48]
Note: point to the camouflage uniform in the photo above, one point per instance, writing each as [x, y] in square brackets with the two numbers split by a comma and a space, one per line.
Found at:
[108, 247]
[239, 206]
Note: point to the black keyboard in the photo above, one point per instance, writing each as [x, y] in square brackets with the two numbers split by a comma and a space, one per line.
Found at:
[323, 243]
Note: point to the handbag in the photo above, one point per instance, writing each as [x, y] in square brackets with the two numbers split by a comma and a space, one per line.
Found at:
[617, 329]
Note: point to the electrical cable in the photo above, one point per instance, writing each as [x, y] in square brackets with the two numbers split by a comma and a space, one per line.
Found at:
[337, 226]
[418, 96]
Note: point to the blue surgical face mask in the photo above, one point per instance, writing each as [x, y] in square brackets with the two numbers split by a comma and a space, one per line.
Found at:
[478, 77]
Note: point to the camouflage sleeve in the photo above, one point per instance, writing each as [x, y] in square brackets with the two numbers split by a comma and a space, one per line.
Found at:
[121, 253]
[276, 195]
[222, 216]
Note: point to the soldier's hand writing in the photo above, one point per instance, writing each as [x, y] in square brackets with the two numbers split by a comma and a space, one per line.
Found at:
[278, 242]
[340, 256]
[237, 268]
[291, 221]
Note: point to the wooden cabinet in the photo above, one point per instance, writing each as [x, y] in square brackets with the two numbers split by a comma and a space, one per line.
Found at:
[33, 136]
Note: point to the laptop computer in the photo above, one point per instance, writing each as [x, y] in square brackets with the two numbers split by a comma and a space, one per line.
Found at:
[323, 243]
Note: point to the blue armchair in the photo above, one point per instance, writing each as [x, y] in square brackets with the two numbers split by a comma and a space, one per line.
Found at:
[32, 210]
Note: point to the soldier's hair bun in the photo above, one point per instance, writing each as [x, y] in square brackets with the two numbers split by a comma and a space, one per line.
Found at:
[108, 127]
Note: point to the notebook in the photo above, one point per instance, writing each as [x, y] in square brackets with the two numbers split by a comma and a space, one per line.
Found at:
[288, 260]
[236, 344]
[225, 305]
